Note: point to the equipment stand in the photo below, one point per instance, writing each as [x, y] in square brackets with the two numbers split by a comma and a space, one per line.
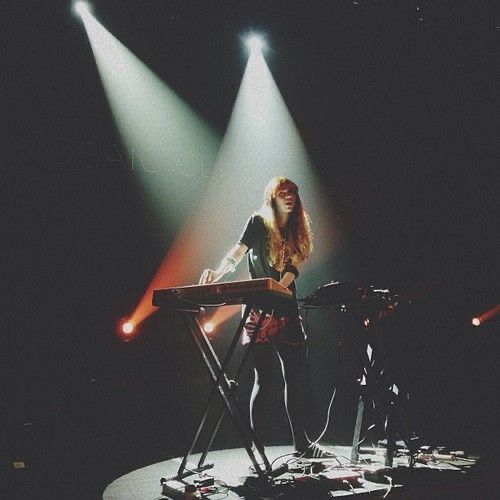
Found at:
[380, 392]
[226, 388]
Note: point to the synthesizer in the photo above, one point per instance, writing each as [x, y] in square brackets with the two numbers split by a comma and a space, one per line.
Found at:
[255, 292]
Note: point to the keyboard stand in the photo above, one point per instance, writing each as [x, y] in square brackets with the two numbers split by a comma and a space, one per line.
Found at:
[225, 387]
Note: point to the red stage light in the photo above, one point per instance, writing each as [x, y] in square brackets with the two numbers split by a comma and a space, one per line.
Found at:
[208, 326]
[126, 329]
[486, 316]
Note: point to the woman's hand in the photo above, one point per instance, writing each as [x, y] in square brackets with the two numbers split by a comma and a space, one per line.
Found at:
[227, 265]
[209, 276]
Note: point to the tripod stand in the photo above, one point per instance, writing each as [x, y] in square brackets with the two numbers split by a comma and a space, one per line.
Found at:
[379, 391]
[360, 303]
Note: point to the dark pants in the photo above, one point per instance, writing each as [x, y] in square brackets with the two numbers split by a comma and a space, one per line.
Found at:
[293, 359]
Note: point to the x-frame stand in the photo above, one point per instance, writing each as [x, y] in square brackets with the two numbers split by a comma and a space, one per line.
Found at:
[226, 388]
[378, 390]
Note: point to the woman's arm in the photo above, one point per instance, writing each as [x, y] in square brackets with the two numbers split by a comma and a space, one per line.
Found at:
[288, 276]
[227, 264]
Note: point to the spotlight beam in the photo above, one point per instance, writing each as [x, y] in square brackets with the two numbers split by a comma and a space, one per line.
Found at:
[261, 141]
[168, 144]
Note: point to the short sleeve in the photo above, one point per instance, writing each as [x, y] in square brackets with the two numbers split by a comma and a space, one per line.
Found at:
[250, 234]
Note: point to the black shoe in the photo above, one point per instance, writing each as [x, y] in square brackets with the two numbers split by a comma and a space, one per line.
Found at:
[315, 451]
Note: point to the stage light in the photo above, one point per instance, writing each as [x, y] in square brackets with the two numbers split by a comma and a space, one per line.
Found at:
[208, 327]
[480, 319]
[127, 327]
[81, 8]
[366, 322]
[255, 43]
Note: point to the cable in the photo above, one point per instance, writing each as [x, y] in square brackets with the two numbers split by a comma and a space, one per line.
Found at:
[353, 491]
[349, 460]
[193, 303]
[271, 315]
[372, 426]
[282, 456]
[327, 423]
[389, 478]
[332, 399]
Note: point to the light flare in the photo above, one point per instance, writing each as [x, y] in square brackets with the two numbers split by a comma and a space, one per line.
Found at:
[255, 43]
[208, 327]
[81, 8]
[480, 319]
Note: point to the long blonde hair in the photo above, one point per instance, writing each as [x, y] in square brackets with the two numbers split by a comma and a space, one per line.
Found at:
[298, 236]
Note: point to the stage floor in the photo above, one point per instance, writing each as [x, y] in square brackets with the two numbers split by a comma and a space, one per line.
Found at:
[329, 478]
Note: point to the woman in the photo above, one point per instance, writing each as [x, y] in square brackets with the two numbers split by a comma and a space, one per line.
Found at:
[277, 240]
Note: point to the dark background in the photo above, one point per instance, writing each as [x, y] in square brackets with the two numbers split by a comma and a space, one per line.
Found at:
[396, 105]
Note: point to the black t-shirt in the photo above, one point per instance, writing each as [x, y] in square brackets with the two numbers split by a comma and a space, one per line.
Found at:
[255, 237]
